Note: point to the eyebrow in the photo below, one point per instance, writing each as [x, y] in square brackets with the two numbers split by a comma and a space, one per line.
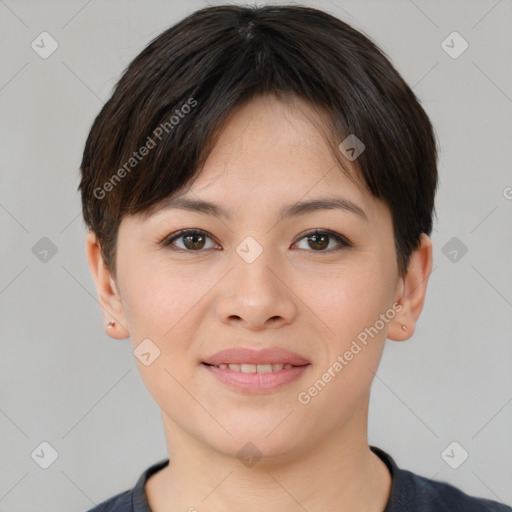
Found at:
[292, 210]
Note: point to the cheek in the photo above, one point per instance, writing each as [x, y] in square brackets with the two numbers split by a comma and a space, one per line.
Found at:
[158, 298]
[357, 308]
[167, 307]
[163, 308]
[341, 382]
[353, 300]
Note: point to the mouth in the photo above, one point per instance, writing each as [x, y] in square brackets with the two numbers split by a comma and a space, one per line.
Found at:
[255, 371]
[254, 368]
[248, 360]
[246, 379]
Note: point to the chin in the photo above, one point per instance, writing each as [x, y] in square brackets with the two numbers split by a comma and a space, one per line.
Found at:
[261, 439]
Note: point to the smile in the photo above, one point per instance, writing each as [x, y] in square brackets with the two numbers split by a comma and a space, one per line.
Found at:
[254, 368]
[248, 378]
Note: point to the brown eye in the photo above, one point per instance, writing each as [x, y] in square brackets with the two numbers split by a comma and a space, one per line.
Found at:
[193, 240]
[318, 241]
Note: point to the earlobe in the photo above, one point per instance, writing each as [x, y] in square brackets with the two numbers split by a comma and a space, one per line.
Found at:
[108, 295]
[412, 291]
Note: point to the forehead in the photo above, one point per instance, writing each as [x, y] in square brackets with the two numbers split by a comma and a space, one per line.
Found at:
[271, 156]
[269, 130]
[271, 148]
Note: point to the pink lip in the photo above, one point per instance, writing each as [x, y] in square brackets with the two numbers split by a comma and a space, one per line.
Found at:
[256, 383]
[263, 356]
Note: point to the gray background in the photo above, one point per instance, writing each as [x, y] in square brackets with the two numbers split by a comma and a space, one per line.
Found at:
[64, 381]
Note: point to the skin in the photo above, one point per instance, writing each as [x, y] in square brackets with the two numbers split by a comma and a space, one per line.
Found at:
[295, 295]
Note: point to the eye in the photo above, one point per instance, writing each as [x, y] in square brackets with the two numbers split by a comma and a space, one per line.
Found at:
[320, 239]
[193, 240]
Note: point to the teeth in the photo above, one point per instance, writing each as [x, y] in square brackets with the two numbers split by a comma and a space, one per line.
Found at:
[264, 368]
[255, 368]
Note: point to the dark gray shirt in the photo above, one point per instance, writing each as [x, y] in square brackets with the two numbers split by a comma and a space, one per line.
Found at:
[409, 493]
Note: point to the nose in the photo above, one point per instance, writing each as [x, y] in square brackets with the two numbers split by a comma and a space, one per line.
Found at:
[256, 296]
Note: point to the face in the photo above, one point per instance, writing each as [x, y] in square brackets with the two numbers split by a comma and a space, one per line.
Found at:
[316, 282]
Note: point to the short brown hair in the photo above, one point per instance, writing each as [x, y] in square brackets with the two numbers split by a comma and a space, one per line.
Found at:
[189, 79]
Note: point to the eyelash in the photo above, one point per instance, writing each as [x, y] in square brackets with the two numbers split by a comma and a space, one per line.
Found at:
[343, 241]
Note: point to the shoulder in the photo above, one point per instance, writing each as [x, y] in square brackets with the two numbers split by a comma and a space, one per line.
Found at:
[121, 502]
[432, 495]
[132, 500]
[411, 492]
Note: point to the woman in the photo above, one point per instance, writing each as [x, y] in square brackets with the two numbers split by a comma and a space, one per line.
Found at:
[259, 192]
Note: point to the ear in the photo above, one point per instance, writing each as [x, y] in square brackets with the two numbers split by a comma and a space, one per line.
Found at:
[108, 295]
[411, 291]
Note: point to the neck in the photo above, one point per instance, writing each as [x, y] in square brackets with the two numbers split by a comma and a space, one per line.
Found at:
[339, 474]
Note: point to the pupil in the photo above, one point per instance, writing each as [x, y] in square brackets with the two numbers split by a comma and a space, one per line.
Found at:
[316, 237]
[194, 244]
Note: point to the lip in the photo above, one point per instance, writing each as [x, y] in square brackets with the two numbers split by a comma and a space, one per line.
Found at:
[256, 383]
[261, 356]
